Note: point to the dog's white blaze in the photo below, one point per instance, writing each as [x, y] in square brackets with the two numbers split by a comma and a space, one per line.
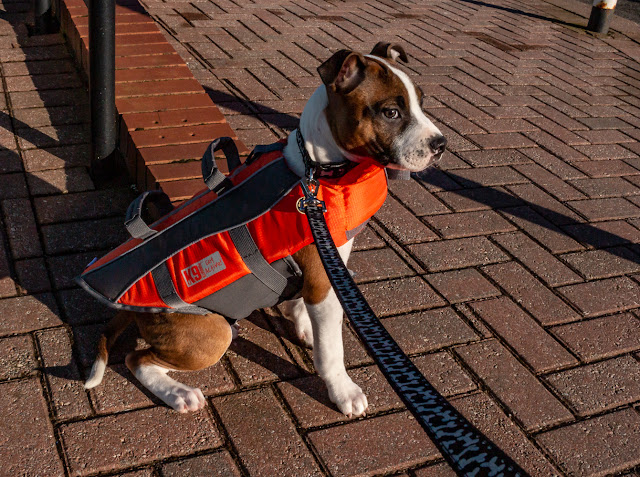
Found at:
[420, 130]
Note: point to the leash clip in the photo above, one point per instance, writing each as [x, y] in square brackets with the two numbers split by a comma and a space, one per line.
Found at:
[310, 187]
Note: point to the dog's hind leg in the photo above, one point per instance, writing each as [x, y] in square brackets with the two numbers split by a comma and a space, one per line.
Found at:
[181, 343]
[154, 377]
[115, 327]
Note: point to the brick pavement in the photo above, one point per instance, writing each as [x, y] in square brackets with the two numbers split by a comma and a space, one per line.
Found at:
[510, 274]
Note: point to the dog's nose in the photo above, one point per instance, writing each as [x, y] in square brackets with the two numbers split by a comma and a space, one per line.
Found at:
[438, 144]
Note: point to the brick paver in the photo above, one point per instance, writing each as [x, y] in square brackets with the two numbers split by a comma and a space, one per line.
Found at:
[509, 274]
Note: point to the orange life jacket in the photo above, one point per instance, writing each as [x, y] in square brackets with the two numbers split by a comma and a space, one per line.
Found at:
[231, 253]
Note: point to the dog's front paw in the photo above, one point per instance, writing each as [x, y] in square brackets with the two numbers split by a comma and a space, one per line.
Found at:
[184, 398]
[348, 396]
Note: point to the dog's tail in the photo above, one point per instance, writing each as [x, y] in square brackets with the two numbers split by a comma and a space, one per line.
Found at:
[115, 327]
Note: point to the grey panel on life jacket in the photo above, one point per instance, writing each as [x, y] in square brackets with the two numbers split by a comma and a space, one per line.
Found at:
[248, 200]
[167, 291]
[240, 298]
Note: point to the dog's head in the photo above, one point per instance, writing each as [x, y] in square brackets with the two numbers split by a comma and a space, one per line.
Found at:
[375, 111]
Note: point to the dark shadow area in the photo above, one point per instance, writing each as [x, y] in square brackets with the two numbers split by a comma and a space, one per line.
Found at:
[523, 13]
[536, 214]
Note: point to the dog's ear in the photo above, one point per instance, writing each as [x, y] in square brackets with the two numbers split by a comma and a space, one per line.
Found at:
[390, 52]
[343, 72]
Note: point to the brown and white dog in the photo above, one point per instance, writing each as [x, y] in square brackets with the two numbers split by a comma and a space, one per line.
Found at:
[366, 108]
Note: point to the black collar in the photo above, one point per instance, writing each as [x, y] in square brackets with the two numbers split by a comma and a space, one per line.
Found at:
[332, 170]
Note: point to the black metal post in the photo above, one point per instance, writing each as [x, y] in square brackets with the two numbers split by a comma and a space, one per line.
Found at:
[601, 15]
[102, 86]
[43, 19]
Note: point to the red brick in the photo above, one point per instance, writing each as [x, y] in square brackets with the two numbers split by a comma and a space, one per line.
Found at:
[28, 313]
[12, 186]
[309, 400]
[56, 157]
[469, 223]
[608, 136]
[487, 416]
[259, 427]
[457, 253]
[556, 147]
[501, 140]
[462, 285]
[609, 168]
[161, 55]
[552, 163]
[153, 74]
[17, 358]
[479, 199]
[537, 259]
[523, 334]
[558, 131]
[374, 446]
[162, 103]
[606, 209]
[603, 445]
[57, 181]
[164, 119]
[175, 171]
[544, 204]
[444, 373]
[546, 307]
[606, 187]
[135, 438]
[600, 386]
[487, 176]
[219, 464]
[257, 355]
[604, 234]
[367, 239]
[29, 444]
[507, 125]
[183, 189]
[65, 383]
[429, 330]
[377, 264]
[180, 135]
[32, 276]
[419, 200]
[603, 152]
[494, 157]
[603, 296]
[601, 337]
[438, 470]
[548, 234]
[519, 390]
[151, 88]
[83, 205]
[400, 296]
[604, 263]
[402, 224]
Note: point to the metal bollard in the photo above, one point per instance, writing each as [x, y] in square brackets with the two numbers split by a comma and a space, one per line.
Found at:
[102, 86]
[43, 19]
[601, 15]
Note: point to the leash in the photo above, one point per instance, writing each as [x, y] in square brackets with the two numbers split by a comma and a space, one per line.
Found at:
[467, 450]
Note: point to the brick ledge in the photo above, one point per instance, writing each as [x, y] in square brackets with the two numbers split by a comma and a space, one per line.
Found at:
[165, 118]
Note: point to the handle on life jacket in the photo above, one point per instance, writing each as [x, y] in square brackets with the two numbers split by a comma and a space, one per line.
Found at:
[213, 178]
[134, 222]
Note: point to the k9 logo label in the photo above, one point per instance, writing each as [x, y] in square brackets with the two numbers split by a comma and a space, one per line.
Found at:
[196, 272]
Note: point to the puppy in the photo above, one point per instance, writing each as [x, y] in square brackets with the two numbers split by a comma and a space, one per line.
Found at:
[366, 109]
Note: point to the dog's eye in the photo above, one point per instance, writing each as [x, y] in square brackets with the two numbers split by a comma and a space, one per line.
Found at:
[391, 113]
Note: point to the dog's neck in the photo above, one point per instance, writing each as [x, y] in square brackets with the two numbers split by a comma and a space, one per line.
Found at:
[318, 140]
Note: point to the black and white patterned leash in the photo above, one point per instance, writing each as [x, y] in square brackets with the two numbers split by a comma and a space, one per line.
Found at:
[466, 449]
